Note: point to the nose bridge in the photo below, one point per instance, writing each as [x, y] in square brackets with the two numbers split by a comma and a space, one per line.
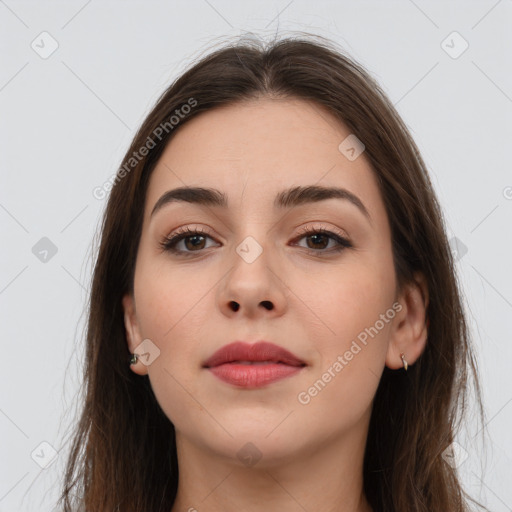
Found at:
[252, 230]
[254, 234]
[252, 257]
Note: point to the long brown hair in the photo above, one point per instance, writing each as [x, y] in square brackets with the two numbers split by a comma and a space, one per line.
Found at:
[123, 455]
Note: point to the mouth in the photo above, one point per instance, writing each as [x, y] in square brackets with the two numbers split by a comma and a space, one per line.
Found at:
[252, 366]
[262, 352]
[256, 362]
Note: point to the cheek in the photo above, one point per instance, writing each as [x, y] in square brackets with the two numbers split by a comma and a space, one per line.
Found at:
[358, 312]
[336, 308]
[172, 307]
[173, 311]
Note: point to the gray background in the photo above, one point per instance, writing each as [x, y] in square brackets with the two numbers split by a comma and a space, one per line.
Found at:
[67, 119]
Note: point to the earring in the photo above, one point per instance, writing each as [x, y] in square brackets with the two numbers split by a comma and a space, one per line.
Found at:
[404, 361]
[133, 359]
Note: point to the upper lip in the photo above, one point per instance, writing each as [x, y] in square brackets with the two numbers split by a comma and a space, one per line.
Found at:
[259, 351]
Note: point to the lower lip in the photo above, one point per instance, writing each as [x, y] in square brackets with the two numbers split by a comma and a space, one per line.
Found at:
[253, 375]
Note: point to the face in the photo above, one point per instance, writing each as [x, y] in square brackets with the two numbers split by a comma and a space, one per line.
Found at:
[327, 297]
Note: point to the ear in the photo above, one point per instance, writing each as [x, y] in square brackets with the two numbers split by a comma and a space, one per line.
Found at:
[409, 330]
[133, 336]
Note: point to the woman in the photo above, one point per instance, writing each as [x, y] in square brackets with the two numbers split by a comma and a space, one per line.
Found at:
[275, 321]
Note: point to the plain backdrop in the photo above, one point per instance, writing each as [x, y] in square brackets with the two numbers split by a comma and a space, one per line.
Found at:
[76, 80]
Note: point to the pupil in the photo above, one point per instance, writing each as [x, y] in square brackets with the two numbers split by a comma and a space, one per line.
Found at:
[318, 235]
[196, 237]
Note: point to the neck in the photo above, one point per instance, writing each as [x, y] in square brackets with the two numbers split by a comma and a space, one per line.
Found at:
[327, 477]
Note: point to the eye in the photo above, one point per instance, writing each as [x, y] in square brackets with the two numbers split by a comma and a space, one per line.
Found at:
[192, 238]
[321, 236]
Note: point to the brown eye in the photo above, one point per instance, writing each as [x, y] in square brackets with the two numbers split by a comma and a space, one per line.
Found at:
[193, 241]
[320, 239]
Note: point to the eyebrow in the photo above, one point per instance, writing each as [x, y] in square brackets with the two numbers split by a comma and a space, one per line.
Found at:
[289, 198]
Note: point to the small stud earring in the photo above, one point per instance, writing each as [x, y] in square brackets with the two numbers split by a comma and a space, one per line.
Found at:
[133, 359]
[404, 361]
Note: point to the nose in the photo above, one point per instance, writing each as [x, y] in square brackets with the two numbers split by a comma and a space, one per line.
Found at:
[253, 288]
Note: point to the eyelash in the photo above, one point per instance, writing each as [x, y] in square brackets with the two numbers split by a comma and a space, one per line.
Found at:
[168, 243]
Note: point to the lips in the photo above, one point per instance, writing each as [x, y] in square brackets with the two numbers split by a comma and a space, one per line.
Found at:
[245, 353]
[253, 366]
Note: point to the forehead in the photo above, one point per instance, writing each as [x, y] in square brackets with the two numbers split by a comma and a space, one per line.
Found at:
[257, 148]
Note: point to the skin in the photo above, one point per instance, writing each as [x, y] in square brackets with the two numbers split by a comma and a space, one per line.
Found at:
[311, 454]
